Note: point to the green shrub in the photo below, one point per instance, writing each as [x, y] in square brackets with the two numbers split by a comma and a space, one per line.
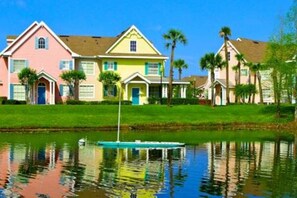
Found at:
[104, 102]
[13, 102]
[2, 100]
[153, 100]
[177, 101]
[204, 102]
[114, 102]
[75, 102]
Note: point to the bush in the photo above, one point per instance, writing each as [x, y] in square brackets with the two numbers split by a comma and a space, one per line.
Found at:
[204, 102]
[13, 102]
[104, 102]
[174, 101]
[2, 100]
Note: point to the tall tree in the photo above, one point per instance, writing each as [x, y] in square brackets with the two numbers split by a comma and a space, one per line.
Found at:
[172, 38]
[240, 59]
[73, 78]
[225, 32]
[27, 77]
[180, 65]
[210, 62]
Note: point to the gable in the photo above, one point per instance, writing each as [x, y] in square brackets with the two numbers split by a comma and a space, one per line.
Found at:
[143, 46]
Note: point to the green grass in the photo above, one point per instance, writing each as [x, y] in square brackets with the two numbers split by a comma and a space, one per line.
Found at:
[18, 116]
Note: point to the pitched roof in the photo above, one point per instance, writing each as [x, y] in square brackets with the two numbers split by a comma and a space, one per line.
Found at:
[199, 80]
[254, 51]
[88, 45]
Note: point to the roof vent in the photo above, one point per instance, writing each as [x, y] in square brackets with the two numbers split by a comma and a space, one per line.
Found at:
[256, 42]
[63, 36]
[96, 36]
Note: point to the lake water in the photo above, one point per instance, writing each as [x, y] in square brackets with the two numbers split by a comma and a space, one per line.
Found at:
[42, 167]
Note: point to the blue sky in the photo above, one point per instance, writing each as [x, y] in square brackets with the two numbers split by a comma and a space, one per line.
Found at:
[199, 20]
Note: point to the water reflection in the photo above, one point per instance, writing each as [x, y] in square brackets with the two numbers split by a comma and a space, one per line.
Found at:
[213, 169]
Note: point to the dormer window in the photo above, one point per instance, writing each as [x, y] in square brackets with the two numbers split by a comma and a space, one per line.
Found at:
[132, 46]
[41, 43]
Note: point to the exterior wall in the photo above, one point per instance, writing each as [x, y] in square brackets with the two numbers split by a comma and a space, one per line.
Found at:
[92, 79]
[3, 77]
[142, 45]
[42, 59]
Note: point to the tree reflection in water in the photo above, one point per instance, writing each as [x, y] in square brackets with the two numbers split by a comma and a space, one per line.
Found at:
[222, 169]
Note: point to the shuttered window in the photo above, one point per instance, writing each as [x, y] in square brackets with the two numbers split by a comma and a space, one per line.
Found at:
[19, 92]
[66, 65]
[17, 65]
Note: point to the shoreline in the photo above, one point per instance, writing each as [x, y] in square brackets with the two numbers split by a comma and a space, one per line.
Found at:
[234, 126]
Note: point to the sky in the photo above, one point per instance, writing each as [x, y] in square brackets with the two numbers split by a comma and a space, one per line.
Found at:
[199, 20]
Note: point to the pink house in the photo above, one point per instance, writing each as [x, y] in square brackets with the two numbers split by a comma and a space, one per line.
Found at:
[38, 47]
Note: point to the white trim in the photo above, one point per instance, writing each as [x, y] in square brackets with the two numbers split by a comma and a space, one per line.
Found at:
[135, 46]
[127, 32]
[19, 37]
[132, 57]
[39, 25]
[46, 75]
[94, 90]
[135, 75]
[233, 47]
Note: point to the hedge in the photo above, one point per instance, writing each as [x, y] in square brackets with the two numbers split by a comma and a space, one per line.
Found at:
[174, 101]
[104, 102]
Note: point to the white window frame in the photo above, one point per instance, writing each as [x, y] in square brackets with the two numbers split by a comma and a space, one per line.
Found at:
[87, 62]
[247, 72]
[14, 88]
[152, 64]
[93, 95]
[110, 66]
[132, 46]
[66, 90]
[39, 44]
[68, 67]
[17, 71]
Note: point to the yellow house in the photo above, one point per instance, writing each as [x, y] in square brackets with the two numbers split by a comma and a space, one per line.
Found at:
[132, 56]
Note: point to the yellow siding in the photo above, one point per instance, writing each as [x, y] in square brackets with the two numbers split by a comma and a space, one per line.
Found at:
[143, 47]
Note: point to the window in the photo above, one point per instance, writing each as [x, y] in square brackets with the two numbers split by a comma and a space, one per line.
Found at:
[86, 91]
[110, 90]
[41, 43]
[66, 65]
[18, 65]
[110, 66]
[87, 67]
[266, 93]
[155, 91]
[243, 72]
[132, 46]
[64, 90]
[152, 68]
[228, 56]
[19, 92]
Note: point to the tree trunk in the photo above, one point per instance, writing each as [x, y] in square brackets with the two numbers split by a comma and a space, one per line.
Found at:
[76, 90]
[212, 89]
[169, 91]
[227, 72]
[236, 83]
[295, 113]
[260, 87]
[27, 94]
[255, 83]
[179, 73]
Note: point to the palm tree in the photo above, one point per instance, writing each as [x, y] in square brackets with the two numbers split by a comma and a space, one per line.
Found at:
[173, 37]
[210, 62]
[225, 32]
[256, 68]
[27, 77]
[239, 58]
[180, 64]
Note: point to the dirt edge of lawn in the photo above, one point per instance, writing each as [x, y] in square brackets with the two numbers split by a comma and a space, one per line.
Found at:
[285, 127]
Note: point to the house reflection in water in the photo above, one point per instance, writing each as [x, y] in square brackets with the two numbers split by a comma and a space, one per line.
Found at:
[57, 171]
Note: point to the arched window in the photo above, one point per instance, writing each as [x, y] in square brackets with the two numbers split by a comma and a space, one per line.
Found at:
[41, 43]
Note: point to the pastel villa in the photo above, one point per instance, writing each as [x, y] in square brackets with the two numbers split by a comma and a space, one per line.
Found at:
[130, 54]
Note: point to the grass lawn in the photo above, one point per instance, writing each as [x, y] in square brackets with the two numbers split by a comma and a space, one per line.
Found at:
[39, 116]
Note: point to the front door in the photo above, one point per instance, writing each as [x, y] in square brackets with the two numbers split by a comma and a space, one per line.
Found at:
[135, 96]
[41, 93]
